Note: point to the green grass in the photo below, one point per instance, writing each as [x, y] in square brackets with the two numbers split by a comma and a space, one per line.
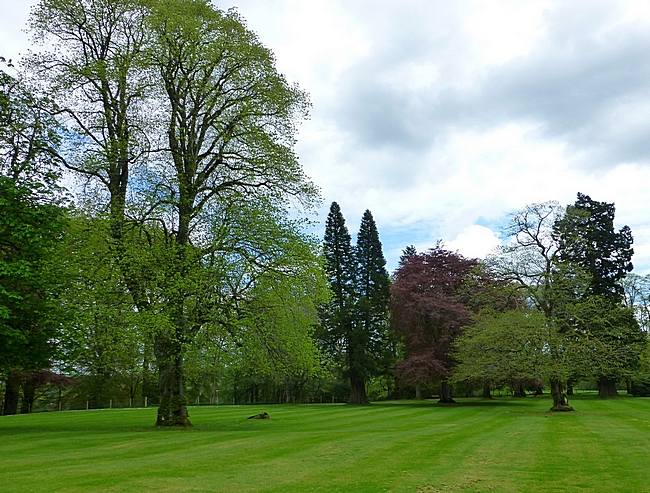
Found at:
[501, 446]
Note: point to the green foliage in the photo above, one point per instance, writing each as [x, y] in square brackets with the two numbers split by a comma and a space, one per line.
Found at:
[608, 336]
[587, 239]
[29, 231]
[339, 268]
[369, 336]
[513, 346]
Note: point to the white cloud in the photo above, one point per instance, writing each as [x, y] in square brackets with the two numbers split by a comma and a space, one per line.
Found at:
[475, 241]
[439, 116]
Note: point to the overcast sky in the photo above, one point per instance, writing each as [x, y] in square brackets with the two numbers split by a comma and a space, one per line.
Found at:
[444, 117]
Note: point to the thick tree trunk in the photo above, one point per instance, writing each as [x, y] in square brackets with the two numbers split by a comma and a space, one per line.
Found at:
[29, 394]
[12, 389]
[172, 410]
[357, 390]
[487, 390]
[560, 399]
[606, 387]
[445, 393]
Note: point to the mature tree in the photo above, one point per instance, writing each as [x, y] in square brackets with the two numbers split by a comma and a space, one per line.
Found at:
[587, 239]
[530, 259]
[429, 309]
[368, 331]
[224, 122]
[610, 340]
[230, 123]
[507, 348]
[31, 223]
[338, 314]
[96, 71]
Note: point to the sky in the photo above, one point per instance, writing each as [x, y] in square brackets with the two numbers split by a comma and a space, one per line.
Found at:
[443, 118]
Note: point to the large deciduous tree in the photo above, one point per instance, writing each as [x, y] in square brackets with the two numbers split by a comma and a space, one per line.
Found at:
[187, 90]
[229, 123]
[429, 308]
[530, 258]
[31, 224]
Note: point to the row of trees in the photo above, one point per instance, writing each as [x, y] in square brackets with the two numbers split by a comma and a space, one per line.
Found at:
[354, 330]
[174, 268]
[549, 306]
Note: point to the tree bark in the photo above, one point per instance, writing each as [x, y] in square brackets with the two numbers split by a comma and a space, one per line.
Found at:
[172, 410]
[12, 388]
[445, 393]
[560, 399]
[29, 394]
[606, 387]
[357, 390]
[487, 390]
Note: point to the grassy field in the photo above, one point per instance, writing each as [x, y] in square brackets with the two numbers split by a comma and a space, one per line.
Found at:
[501, 446]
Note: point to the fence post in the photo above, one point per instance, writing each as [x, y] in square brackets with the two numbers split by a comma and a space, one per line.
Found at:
[86, 405]
[110, 404]
[145, 401]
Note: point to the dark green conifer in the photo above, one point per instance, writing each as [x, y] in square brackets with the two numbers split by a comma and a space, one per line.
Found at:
[339, 267]
[370, 316]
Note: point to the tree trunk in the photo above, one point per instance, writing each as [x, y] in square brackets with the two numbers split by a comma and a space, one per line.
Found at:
[29, 394]
[606, 387]
[445, 393]
[357, 390]
[518, 389]
[12, 388]
[172, 410]
[487, 390]
[560, 399]
[418, 391]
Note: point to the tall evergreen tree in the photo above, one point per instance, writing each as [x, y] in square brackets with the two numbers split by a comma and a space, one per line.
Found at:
[372, 288]
[588, 240]
[339, 267]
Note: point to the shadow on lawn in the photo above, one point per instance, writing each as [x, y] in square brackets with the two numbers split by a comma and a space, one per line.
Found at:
[460, 402]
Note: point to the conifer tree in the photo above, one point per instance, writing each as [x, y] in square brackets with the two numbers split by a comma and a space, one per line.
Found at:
[372, 288]
[339, 268]
[587, 239]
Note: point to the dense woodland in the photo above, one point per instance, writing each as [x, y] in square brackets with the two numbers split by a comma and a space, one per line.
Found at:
[154, 246]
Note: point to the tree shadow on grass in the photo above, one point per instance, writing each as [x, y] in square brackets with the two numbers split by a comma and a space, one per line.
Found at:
[461, 402]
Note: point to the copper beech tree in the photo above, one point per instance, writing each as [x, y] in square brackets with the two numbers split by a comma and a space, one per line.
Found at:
[430, 305]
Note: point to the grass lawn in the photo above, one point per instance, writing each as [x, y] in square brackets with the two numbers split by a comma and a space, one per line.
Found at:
[503, 446]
